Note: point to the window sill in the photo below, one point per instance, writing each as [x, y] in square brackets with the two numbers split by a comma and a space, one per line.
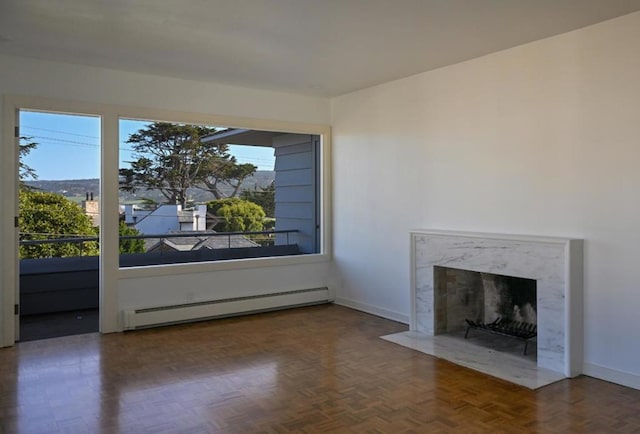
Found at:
[228, 265]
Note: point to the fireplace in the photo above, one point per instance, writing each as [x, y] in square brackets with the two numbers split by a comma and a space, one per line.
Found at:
[554, 263]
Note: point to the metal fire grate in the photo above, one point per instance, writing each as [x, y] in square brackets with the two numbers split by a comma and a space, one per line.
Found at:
[514, 329]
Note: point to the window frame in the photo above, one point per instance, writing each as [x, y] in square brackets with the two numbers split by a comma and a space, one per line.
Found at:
[317, 195]
[323, 131]
[110, 270]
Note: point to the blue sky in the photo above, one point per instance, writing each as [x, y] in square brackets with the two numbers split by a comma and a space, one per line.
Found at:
[69, 145]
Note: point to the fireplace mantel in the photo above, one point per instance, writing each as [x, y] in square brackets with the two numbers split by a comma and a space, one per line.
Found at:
[555, 263]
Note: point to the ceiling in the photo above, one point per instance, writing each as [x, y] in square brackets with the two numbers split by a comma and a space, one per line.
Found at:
[317, 47]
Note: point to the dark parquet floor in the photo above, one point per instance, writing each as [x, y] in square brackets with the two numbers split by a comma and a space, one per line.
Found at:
[306, 370]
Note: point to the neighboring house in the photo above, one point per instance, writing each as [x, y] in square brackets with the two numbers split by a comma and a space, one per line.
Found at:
[296, 180]
[91, 208]
[197, 242]
[166, 218]
[172, 219]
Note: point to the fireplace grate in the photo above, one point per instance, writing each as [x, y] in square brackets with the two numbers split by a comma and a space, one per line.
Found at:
[514, 329]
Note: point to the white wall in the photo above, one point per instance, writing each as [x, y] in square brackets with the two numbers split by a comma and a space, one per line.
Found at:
[118, 91]
[31, 77]
[542, 139]
[194, 287]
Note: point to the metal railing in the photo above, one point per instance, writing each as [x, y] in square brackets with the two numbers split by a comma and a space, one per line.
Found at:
[268, 239]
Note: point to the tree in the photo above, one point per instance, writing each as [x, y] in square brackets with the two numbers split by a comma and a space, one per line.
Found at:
[172, 158]
[238, 215]
[131, 245]
[226, 171]
[45, 215]
[265, 197]
[24, 170]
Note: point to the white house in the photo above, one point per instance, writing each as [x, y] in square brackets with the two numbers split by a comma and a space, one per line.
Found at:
[166, 218]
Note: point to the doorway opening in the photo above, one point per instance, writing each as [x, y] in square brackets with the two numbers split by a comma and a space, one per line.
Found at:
[59, 223]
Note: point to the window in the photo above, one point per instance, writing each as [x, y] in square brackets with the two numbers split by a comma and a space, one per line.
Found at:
[195, 193]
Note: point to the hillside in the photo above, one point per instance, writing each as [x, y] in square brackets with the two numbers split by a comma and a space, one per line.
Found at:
[76, 189]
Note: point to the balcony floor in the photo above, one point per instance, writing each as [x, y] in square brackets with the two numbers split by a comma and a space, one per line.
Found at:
[53, 325]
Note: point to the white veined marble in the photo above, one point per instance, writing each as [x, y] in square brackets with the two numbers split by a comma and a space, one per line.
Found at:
[555, 263]
[498, 364]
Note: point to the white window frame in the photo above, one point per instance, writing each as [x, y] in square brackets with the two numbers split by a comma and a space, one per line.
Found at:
[110, 272]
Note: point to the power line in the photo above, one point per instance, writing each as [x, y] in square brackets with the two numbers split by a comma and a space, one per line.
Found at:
[63, 142]
[58, 131]
[57, 139]
[67, 142]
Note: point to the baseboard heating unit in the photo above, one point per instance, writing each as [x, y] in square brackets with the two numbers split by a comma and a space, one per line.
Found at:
[163, 315]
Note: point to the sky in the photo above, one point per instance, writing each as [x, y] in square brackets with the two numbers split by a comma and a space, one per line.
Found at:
[69, 145]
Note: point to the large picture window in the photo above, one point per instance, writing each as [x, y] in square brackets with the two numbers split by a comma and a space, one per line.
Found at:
[199, 193]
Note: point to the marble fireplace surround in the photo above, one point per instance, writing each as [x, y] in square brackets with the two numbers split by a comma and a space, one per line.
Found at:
[555, 263]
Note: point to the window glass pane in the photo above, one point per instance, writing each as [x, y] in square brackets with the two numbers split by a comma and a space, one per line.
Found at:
[192, 193]
[59, 167]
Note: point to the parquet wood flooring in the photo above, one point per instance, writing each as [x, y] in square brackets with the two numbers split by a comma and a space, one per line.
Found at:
[306, 370]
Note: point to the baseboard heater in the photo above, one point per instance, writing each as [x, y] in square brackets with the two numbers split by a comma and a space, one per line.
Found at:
[164, 315]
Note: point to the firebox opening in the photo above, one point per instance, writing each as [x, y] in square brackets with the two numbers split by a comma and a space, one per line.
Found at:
[464, 296]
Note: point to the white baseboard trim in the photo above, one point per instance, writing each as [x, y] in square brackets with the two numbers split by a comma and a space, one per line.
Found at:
[612, 375]
[374, 310]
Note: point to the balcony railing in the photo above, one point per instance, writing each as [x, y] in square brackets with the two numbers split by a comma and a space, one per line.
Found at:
[255, 239]
[56, 284]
